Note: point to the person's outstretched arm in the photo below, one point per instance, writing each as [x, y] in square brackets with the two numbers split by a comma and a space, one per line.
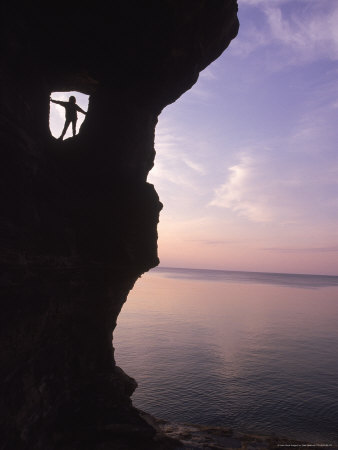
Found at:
[58, 102]
[80, 109]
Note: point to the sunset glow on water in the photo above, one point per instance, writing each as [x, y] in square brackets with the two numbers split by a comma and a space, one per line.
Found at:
[251, 351]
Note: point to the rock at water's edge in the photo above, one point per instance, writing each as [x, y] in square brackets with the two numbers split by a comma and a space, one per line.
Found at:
[78, 219]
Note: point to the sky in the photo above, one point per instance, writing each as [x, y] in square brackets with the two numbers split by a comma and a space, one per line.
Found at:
[247, 160]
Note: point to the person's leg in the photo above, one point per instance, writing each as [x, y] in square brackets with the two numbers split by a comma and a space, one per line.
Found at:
[74, 127]
[65, 129]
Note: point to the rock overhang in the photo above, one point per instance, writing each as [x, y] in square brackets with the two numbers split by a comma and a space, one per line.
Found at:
[78, 220]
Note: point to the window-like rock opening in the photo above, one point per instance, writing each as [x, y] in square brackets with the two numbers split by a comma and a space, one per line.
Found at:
[58, 117]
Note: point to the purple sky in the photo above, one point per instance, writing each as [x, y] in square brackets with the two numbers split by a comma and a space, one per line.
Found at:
[247, 160]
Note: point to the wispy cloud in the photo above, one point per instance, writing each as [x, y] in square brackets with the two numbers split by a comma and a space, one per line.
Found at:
[193, 165]
[272, 186]
[275, 3]
[216, 242]
[291, 36]
[208, 74]
[267, 2]
[331, 249]
[251, 39]
[238, 193]
[173, 164]
[310, 36]
[314, 131]
[250, 152]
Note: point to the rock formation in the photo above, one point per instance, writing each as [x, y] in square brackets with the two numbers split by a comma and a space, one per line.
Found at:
[78, 219]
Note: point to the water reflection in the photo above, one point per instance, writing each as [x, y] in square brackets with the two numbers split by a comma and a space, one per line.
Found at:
[258, 356]
[281, 279]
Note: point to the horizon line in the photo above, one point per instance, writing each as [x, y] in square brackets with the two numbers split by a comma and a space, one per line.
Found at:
[246, 271]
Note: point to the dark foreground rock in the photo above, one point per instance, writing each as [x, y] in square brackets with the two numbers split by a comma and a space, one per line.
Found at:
[77, 218]
[196, 437]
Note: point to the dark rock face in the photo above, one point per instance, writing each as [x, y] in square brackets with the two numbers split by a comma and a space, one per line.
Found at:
[78, 219]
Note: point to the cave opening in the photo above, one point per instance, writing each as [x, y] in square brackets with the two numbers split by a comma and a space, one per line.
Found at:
[57, 112]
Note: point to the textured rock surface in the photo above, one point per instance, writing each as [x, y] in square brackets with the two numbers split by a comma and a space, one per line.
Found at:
[196, 437]
[78, 219]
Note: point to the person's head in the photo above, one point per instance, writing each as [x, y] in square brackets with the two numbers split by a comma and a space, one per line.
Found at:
[72, 99]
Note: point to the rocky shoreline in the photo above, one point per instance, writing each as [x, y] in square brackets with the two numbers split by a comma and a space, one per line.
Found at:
[183, 436]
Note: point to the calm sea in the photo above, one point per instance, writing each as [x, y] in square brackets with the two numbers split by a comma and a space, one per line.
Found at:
[254, 351]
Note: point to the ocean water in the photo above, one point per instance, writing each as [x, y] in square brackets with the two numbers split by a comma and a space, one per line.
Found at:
[254, 351]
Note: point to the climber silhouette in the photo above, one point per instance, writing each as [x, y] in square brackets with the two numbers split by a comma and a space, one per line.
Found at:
[71, 113]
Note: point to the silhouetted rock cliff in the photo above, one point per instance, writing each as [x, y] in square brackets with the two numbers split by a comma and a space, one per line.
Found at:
[78, 219]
